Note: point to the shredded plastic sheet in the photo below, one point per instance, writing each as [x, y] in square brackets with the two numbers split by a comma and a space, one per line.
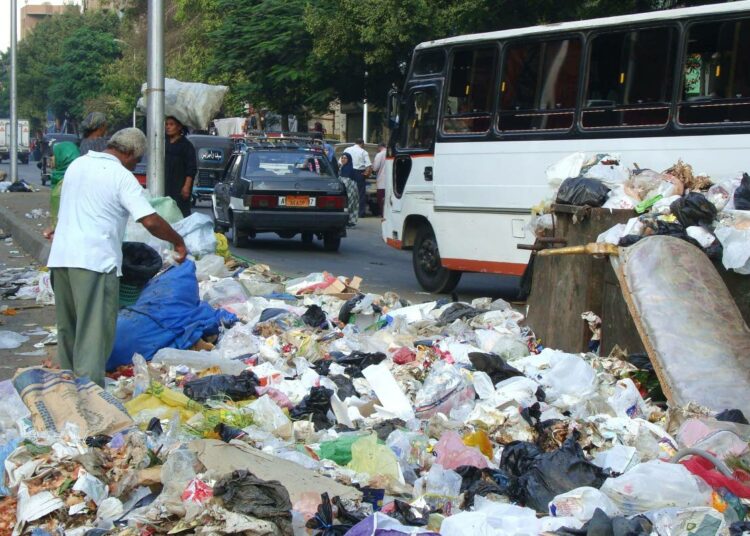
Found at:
[693, 331]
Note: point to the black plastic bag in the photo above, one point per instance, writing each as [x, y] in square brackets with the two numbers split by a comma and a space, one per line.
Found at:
[497, 369]
[602, 525]
[732, 415]
[543, 476]
[483, 482]
[738, 528]
[154, 426]
[693, 209]
[357, 361]
[457, 311]
[227, 433]
[316, 404]
[271, 313]
[384, 428]
[742, 194]
[410, 515]
[20, 186]
[98, 441]
[345, 386]
[323, 520]
[579, 191]
[345, 312]
[239, 387]
[244, 493]
[140, 263]
[314, 317]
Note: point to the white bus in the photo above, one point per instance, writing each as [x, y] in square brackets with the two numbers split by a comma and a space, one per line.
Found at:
[482, 116]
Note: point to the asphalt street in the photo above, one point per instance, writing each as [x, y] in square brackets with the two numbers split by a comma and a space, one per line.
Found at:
[362, 253]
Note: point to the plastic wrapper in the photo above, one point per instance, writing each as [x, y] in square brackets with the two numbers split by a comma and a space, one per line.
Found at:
[439, 487]
[339, 450]
[722, 439]
[373, 459]
[580, 192]
[225, 293]
[270, 417]
[581, 503]
[734, 239]
[480, 440]
[452, 452]
[663, 299]
[443, 389]
[656, 484]
[178, 470]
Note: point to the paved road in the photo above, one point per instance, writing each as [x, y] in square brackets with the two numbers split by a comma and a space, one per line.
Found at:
[362, 253]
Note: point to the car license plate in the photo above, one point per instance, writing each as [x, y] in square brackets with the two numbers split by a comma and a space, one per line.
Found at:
[297, 201]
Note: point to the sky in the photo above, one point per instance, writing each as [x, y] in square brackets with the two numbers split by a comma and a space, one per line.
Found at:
[5, 19]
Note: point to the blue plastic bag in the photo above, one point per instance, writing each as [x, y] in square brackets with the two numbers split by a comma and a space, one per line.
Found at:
[168, 314]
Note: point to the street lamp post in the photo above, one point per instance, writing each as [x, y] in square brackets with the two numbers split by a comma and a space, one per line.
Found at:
[13, 93]
[155, 98]
[364, 112]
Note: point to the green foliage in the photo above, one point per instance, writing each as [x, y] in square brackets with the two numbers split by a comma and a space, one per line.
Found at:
[60, 63]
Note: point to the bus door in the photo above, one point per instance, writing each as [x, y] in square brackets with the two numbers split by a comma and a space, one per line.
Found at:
[414, 149]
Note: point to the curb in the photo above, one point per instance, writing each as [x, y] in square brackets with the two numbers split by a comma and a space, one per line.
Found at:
[30, 240]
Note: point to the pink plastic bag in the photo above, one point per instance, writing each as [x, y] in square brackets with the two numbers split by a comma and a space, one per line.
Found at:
[452, 453]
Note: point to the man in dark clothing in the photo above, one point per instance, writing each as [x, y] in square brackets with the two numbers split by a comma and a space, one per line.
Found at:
[179, 165]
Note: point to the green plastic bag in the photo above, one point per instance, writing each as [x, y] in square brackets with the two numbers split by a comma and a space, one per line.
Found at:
[339, 450]
[372, 458]
[166, 208]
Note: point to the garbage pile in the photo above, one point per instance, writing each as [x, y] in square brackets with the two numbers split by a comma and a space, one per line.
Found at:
[311, 407]
[713, 215]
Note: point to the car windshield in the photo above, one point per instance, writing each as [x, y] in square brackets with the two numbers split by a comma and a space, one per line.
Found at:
[290, 164]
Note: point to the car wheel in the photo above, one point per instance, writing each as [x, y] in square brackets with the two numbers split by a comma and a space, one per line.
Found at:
[239, 240]
[307, 238]
[331, 241]
[25, 160]
[432, 276]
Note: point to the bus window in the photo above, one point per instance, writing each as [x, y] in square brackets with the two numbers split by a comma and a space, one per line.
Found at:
[539, 86]
[421, 120]
[630, 79]
[468, 106]
[429, 62]
[716, 74]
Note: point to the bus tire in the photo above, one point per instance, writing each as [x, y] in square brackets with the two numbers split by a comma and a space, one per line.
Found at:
[431, 275]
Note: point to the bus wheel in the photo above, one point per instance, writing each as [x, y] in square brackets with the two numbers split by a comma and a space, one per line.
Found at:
[427, 267]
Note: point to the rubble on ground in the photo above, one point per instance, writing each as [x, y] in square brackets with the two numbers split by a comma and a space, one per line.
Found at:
[307, 406]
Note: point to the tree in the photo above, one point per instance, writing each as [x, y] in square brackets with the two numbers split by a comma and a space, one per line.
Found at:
[263, 47]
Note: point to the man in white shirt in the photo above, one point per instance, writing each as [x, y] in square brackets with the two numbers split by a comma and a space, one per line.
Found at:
[378, 166]
[98, 194]
[362, 169]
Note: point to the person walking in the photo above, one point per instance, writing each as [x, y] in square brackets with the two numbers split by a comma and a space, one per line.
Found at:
[362, 169]
[378, 167]
[180, 166]
[94, 129]
[352, 195]
[99, 193]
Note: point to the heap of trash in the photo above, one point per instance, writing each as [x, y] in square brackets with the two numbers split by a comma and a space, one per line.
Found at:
[679, 202]
[241, 401]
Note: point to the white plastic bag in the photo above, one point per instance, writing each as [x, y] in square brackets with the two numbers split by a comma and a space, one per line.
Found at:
[210, 266]
[581, 504]
[198, 232]
[618, 199]
[699, 234]
[656, 484]
[567, 167]
[193, 104]
[270, 417]
[10, 340]
[736, 254]
[627, 401]
[46, 295]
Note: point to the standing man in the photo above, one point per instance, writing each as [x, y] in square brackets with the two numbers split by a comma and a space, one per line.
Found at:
[94, 132]
[378, 166]
[180, 166]
[99, 192]
[362, 169]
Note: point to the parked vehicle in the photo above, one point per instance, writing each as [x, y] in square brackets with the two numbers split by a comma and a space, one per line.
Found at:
[287, 188]
[212, 154]
[140, 170]
[23, 140]
[46, 144]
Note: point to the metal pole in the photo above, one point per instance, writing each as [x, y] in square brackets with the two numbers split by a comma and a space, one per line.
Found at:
[364, 112]
[155, 98]
[13, 93]
[133, 117]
